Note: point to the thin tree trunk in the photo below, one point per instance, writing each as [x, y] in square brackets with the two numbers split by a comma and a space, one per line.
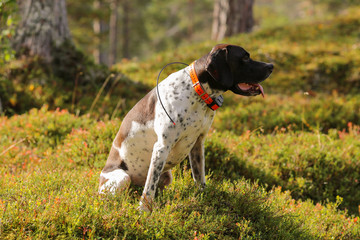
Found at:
[220, 15]
[241, 17]
[232, 17]
[99, 27]
[113, 31]
[97, 31]
[126, 35]
[43, 25]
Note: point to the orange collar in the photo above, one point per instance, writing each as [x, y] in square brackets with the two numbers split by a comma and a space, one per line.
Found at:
[201, 92]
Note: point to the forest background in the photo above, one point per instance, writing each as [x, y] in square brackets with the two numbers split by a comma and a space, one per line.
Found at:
[283, 167]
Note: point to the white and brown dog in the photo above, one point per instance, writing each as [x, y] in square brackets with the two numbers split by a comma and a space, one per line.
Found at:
[148, 144]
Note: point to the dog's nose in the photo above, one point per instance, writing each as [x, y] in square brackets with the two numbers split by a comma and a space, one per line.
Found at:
[270, 67]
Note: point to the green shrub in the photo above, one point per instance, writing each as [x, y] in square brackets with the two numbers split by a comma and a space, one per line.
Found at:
[56, 136]
[63, 203]
[29, 86]
[41, 128]
[49, 188]
[296, 112]
[27, 140]
[311, 165]
[88, 147]
[8, 20]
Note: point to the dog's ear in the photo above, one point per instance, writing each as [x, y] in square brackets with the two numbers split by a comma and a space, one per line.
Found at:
[217, 65]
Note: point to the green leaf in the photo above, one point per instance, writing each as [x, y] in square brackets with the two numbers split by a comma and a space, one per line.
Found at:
[9, 21]
[7, 57]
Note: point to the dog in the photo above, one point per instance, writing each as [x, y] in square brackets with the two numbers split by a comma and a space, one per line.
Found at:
[148, 144]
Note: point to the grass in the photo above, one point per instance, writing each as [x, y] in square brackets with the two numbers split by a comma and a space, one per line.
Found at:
[311, 165]
[49, 188]
[60, 204]
[320, 112]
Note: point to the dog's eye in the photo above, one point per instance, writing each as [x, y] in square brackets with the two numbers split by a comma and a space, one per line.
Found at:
[246, 58]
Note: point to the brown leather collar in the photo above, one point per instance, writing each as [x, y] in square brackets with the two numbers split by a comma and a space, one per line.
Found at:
[201, 92]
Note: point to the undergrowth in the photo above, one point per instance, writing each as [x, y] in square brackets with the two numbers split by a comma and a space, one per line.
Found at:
[311, 165]
[296, 112]
[49, 188]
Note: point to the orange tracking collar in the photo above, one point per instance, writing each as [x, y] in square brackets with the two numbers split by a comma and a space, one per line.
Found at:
[213, 104]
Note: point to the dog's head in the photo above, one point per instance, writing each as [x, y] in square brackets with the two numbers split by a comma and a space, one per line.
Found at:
[231, 68]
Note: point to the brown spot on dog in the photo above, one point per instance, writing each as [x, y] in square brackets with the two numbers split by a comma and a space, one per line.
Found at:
[146, 107]
[102, 181]
[113, 161]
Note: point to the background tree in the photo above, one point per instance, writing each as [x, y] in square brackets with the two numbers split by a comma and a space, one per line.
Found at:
[43, 26]
[113, 31]
[100, 27]
[47, 61]
[125, 28]
[231, 17]
[175, 22]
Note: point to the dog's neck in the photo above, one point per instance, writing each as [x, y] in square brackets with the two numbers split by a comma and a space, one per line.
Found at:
[210, 85]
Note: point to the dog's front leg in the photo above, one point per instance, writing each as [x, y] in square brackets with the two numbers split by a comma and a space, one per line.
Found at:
[158, 160]
[197, 161]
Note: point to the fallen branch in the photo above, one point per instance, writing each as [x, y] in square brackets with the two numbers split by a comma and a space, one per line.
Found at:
[12, 146]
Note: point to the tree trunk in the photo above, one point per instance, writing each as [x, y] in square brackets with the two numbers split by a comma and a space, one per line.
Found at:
[99, 27]
[113, 32]
[125, 35]
[43, 25]
[231, 17]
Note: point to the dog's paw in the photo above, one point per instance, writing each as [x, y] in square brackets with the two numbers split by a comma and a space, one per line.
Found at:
[142, 208]
[146, 204]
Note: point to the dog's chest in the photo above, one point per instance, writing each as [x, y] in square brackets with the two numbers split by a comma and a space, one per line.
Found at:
[191, 116]
[186, 135]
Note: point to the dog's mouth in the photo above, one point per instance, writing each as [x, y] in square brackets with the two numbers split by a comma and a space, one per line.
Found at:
[251, 88]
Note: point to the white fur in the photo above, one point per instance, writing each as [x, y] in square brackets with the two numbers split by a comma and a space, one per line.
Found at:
[116, 179]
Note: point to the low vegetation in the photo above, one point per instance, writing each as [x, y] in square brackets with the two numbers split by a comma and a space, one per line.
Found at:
[50, 177]
[297, 112]
[311, 165]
